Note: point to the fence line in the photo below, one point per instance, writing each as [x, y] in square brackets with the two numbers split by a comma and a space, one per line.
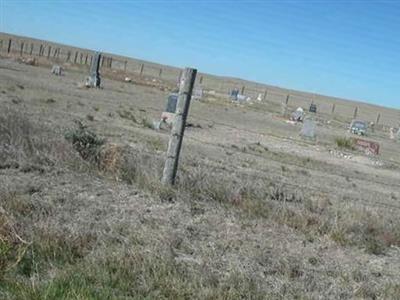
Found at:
[268, 95]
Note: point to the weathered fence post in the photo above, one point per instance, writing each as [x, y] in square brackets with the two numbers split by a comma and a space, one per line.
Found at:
[333, 108]
[160, 73]
[9, 46]
[178, 127]
[141, 69]
[242, 90]
[201, 80]
[284, 106]
[125, 63]
[48, 52]
[355, 113]
[86, 59]
[22, 49]
[265, 95]
[68, 55]
[94, 77]
[76, 57]
[31, 52]
[378, 117]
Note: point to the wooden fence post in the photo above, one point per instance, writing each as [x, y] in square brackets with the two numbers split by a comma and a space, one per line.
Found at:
[22, 49]
[378, 117]
[76, 57]
[141, 69]
[265, 95]
[31, 52]
[355, 113]
[333, 108]
[287, 99]
[242, 90]
[86, 59]
[201, 80]
[160, 73]
[48, 52]
[9, 46]
[178, 127]
[125, 64]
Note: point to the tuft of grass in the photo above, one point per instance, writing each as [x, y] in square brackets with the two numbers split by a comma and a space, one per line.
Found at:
[86, 142]
[344, 143]
[126, 114]
[147, 123]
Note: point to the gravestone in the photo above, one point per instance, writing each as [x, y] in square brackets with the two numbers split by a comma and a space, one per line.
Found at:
[234, 94]
[168, 115]
[57, 70]
[308, 129]
[94, 77]
[171, 103]
[197, 94]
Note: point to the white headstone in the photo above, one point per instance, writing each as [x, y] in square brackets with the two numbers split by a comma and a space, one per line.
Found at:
[308, 129]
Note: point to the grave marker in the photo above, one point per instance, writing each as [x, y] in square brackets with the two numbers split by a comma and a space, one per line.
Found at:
[308, 129]
[94, 77]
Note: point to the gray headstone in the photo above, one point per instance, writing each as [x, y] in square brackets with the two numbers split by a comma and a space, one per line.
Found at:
[57, 70]
[197, 93]
[308, 129]
[94, 76]
[171, 103]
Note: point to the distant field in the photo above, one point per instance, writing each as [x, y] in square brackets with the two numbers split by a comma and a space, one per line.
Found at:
[343, 111]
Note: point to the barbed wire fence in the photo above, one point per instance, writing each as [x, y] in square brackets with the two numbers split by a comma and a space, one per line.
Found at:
[271, 97]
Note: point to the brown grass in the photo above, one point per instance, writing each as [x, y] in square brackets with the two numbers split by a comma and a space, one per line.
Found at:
[42, 258]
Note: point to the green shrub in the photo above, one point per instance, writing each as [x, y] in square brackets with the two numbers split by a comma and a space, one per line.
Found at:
[86, 142]
[344, 143]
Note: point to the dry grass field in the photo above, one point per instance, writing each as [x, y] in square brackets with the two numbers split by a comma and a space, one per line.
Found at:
[257, 213]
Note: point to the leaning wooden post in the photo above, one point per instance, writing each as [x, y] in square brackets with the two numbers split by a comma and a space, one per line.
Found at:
[265, 95]
[242, 91]
[333, 108]
[378, 117]
[178, 127]
[160, 73]
[22, 49]
[355, 113]
[284, 106]
[141, 69]
[9, 46]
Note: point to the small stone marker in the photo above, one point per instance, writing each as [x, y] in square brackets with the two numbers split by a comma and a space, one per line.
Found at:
[197, 94]
[94, 78]
[308, 129]
[57, 70]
